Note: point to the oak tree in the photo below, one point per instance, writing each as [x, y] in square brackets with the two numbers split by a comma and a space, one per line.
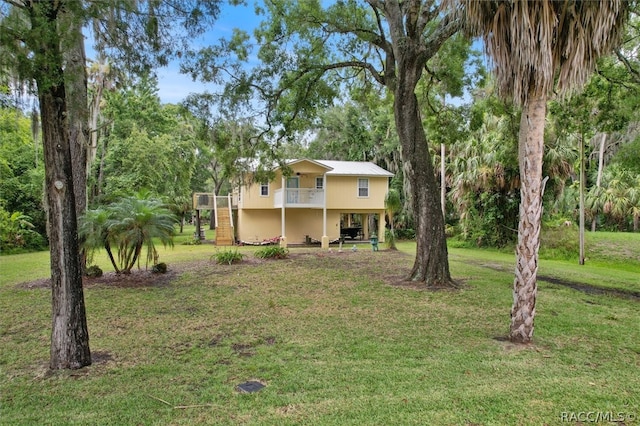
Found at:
[310, 54]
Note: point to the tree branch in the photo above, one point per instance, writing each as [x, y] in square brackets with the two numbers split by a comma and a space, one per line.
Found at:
[426, 15]
[353, 64]
[635, 74]
[383, 43]
[447, 28]
[19, 5]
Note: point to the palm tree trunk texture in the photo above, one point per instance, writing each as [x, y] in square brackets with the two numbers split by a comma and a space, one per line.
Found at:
[531, 147]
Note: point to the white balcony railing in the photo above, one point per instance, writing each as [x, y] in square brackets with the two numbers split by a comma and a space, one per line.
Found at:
[207, 201]
[299, 197]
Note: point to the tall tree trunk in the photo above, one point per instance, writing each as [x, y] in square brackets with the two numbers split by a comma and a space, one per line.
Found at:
[77, 109]
[405, 62]
[100, 74]
[531, 149]
[103, 155]
[78, 113]
[431, 263]
[69, 334]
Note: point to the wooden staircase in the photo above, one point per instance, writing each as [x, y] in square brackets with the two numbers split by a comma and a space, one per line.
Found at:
[224, 230]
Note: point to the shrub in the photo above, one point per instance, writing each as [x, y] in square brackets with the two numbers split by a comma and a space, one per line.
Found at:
[228, 257]
[159, 268]
[17, 233]
[93, 271]
[405, 234]
[390, 239]
[272, 252]
[192, 242]
[559, 240]
[491, 220]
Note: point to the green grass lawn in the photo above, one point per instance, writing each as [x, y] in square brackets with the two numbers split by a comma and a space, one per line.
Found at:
[334, 340]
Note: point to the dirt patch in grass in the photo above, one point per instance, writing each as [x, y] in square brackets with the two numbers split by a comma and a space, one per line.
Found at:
[386, 265]
[111, 279]
[590, 289]
[582, 287]
[389, 266]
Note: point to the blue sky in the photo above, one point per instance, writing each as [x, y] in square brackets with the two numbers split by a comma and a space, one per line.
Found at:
[173, 86]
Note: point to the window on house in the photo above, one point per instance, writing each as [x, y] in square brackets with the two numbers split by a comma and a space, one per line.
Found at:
[319, 182]
[363, 187]
[264, 189]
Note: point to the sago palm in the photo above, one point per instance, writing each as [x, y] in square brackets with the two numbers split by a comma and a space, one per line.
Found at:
[136, 223]
[539, 47]
[94, 229]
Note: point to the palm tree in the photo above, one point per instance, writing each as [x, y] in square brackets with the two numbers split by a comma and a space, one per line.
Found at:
[180, 205]
[129, 225]
[538, 47]
[94, 230]
[393, 205]
[483, 178]
[618, 197]
[136, 222]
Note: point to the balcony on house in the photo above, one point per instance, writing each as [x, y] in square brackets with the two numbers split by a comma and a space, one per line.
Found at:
[299, 198]
[206, 201]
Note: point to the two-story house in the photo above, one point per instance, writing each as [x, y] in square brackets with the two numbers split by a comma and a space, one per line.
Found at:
[319, 200]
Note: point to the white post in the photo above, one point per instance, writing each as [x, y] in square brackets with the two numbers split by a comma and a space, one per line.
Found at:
[230, 209]
[283, 238]
[215, 209]
[325, 238]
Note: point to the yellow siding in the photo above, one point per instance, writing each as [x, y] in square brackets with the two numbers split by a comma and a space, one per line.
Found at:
[259, 225]
[342, 193]
[251, 198]
[303, 222]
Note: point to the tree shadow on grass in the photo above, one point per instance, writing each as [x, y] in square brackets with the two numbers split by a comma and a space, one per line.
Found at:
[390, 266]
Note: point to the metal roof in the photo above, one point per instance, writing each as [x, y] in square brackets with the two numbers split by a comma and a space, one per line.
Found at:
[354, 168]
[341, 168]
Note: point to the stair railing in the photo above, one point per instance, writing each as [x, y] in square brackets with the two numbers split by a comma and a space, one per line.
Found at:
[215, 209]
[230, 212]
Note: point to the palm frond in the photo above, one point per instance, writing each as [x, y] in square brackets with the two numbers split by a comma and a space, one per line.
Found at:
[544, 45]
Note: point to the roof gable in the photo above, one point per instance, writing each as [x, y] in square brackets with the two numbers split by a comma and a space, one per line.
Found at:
[292, 163]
